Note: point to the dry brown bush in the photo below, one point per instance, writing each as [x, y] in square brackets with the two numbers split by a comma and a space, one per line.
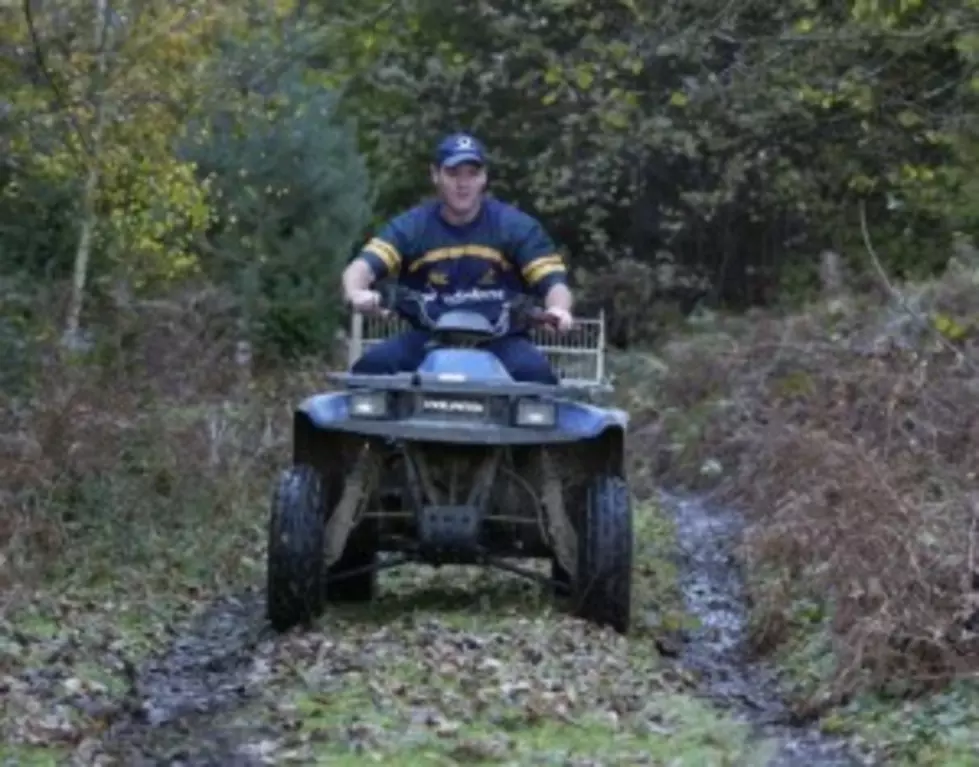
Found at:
[154, 427]
[853, 448]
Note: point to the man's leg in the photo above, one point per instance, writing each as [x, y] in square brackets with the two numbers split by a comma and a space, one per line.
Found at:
[524, 360]
[398, 354]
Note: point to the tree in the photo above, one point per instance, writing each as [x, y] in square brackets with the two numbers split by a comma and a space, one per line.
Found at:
[94, 119]
[731, 145]
[291, 196]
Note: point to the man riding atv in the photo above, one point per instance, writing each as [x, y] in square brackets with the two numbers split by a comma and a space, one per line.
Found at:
[463, 250]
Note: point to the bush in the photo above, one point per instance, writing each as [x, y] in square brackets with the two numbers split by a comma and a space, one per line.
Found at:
[293, 193]
[849, 438]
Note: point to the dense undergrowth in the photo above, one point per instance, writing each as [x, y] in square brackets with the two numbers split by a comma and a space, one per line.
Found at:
[135, 489]
[136, 481]
[848, 436]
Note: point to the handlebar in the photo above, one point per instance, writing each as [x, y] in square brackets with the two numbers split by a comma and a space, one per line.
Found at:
[518, 313]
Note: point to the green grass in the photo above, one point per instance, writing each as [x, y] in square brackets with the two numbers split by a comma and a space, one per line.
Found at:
[933, 729]
[461, 666]
[137, 556]
[448, 666]
[32, 756]
[673, 729]
[939, 729]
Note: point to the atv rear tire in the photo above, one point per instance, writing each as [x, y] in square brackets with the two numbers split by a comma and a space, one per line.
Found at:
[296, 554]
[603, 586]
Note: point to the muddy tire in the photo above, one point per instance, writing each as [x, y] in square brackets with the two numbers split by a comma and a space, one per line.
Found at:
[296, 555]
[603, 583]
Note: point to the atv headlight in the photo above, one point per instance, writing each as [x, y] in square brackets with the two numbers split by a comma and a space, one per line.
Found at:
[535, 413]
[369, 404]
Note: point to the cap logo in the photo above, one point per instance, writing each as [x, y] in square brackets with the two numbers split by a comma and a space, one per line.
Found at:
[465, 143]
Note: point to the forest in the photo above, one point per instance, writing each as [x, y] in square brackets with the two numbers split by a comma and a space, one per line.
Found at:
[775, 205]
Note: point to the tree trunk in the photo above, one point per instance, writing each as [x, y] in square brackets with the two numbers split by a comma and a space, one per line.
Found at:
[90, 191]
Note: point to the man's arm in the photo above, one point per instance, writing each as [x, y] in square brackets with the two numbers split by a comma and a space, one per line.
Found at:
[358, 276]
[541, 266]
[559, 296]
[381, 257]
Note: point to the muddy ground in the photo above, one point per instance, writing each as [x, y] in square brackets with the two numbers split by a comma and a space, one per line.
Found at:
[448, 666]
[715, 650]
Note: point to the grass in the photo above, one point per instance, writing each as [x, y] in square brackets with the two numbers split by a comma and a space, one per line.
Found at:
[464, 665]
[125, 511]
[670, 728]
[939, 729]
[453, 665]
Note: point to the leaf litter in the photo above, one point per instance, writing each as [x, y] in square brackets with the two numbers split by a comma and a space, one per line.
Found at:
[446, 667]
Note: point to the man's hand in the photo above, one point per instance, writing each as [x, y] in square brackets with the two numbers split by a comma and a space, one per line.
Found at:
[365, 301]
[563, 320]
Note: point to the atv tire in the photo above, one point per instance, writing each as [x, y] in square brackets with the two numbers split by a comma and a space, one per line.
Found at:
[603, 585]
[295, 559]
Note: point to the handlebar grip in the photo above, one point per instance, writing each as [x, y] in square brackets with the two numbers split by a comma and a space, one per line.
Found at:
[542, 317]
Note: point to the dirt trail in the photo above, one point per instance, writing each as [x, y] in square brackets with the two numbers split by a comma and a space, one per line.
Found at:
[713, 591]
[225, 691]
[216, 665]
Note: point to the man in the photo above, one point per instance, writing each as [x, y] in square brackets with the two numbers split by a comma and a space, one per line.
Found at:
[465, 249]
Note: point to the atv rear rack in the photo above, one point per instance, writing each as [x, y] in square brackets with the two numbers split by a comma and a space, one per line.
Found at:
[577, 356]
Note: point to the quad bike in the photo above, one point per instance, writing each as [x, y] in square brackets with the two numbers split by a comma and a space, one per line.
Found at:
[454, 463]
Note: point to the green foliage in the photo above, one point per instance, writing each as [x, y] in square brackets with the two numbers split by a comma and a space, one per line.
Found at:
[735, 145]
[120, 121]
[730, 147]
[19, 335]
[291, 197]
[940, 730]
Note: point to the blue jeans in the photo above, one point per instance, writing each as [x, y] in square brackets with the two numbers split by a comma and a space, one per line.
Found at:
[404, 353]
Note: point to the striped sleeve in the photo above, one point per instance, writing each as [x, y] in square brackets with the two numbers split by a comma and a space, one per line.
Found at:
[386, 251]
[537, 257]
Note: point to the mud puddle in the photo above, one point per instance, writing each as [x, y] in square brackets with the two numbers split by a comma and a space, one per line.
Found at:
[713, 592]
[218, 663]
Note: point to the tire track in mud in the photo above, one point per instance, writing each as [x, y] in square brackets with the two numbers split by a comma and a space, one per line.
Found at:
[218, 663]
[714, 593]
[195, 705]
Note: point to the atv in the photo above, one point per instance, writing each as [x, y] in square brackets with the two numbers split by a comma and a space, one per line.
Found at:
[454, 463]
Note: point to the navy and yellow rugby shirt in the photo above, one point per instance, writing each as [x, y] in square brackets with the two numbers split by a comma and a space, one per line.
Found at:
[501, 253]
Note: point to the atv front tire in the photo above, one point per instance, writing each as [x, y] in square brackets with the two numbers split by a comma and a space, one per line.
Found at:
[296, 555]
[603, 586]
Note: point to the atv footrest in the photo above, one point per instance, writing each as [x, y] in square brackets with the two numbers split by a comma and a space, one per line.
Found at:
[452, 528]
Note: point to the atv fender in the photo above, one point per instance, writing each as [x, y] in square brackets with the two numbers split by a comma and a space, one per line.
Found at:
[325, 410]
[589, 421]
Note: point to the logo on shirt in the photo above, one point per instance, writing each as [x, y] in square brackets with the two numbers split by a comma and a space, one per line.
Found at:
[473, 296]
[438, 278]
[459, 297]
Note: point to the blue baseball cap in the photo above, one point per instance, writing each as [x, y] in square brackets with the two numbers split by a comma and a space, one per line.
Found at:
[458, 148]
